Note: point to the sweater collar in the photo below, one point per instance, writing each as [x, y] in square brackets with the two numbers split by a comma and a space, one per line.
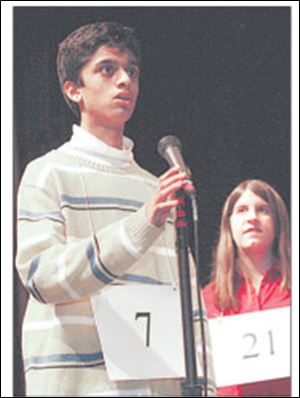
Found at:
[87, 143]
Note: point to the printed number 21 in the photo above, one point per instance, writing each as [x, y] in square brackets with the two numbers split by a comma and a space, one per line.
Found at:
[253, 340]
[148, 316]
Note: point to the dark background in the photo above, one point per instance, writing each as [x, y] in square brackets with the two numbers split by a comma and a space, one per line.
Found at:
[216, 77]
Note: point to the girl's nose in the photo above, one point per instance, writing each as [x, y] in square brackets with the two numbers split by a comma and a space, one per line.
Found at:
[251, 213]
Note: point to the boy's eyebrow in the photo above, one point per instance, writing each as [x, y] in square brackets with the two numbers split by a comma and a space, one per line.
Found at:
[112, 61]
[105, 61]
[134, 63]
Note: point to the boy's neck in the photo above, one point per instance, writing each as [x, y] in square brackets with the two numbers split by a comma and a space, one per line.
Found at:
[111, 135]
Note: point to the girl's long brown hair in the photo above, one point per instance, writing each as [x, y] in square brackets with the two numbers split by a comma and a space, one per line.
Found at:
[225, 273]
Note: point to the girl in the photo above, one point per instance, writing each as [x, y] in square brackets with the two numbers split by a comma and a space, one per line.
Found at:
[251, 266]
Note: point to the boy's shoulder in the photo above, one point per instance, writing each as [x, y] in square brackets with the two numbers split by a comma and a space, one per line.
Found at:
[52, 155]
[39, 165]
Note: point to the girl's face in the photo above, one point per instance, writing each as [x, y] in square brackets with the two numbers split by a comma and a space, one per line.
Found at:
[252, 224]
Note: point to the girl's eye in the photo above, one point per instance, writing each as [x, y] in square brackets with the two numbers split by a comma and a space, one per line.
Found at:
[241, 209]
[264, 210]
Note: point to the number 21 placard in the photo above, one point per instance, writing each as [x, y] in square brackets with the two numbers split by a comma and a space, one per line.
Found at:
[251, 347]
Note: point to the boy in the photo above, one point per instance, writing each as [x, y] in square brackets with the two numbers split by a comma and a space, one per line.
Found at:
[90, 217]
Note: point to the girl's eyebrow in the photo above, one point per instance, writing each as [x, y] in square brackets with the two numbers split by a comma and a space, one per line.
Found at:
[260, 204]
[239, 207]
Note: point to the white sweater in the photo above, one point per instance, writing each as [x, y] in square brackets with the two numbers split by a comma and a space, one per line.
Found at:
[81, 228]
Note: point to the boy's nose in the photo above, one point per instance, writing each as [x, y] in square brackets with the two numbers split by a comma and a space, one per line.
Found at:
[122, 77]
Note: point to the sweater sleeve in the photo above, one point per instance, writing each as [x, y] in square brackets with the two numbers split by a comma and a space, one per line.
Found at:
[55, 270]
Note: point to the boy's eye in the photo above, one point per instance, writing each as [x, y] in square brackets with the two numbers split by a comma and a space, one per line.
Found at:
[133, 72]
[107, 70]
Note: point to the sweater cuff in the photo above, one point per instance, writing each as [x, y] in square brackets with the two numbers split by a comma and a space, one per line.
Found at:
[141, 233]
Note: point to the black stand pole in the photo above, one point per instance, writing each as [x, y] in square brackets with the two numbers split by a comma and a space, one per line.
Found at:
[189, 386]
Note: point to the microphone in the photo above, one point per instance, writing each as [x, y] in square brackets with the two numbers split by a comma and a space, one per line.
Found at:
[169, 147]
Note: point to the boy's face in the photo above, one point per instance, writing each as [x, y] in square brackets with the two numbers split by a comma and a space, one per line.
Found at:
[110, 86]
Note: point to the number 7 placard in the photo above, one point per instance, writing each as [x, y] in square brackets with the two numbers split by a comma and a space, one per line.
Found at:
[140, 330]
[251, 347]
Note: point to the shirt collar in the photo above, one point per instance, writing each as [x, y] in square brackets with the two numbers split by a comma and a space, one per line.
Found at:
[272, 273]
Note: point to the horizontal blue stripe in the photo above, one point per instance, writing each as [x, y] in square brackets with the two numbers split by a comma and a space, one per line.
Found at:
[95, 268]
[99, 200]
[64, 358]
[40, 214]
[141, 279]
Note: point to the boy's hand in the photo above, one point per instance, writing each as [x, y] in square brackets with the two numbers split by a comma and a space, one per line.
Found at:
[159, 207]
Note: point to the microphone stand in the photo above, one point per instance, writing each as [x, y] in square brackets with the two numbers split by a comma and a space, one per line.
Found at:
[189, 386]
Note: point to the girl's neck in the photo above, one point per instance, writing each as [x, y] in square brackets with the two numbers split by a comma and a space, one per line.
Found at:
[254, 267]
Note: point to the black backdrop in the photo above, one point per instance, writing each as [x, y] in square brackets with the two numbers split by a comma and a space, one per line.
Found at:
[217, 77]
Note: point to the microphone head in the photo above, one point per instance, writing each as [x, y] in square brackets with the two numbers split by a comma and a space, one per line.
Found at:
[169, 147]
[167, 141]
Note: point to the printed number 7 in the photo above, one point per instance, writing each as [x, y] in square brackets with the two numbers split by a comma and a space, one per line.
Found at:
[145, 315]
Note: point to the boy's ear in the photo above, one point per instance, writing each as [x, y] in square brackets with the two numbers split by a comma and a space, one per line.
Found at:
[72, 91]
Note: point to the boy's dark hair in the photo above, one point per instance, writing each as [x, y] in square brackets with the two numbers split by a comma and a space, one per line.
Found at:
[80, 45]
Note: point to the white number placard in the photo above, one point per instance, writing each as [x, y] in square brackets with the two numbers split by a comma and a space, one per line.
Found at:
[140, 329]
[251, 347]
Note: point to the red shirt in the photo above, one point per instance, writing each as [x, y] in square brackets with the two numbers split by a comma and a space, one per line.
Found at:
[269, 296]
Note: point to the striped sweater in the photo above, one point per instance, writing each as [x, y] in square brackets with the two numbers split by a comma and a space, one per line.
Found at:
[82, 227]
